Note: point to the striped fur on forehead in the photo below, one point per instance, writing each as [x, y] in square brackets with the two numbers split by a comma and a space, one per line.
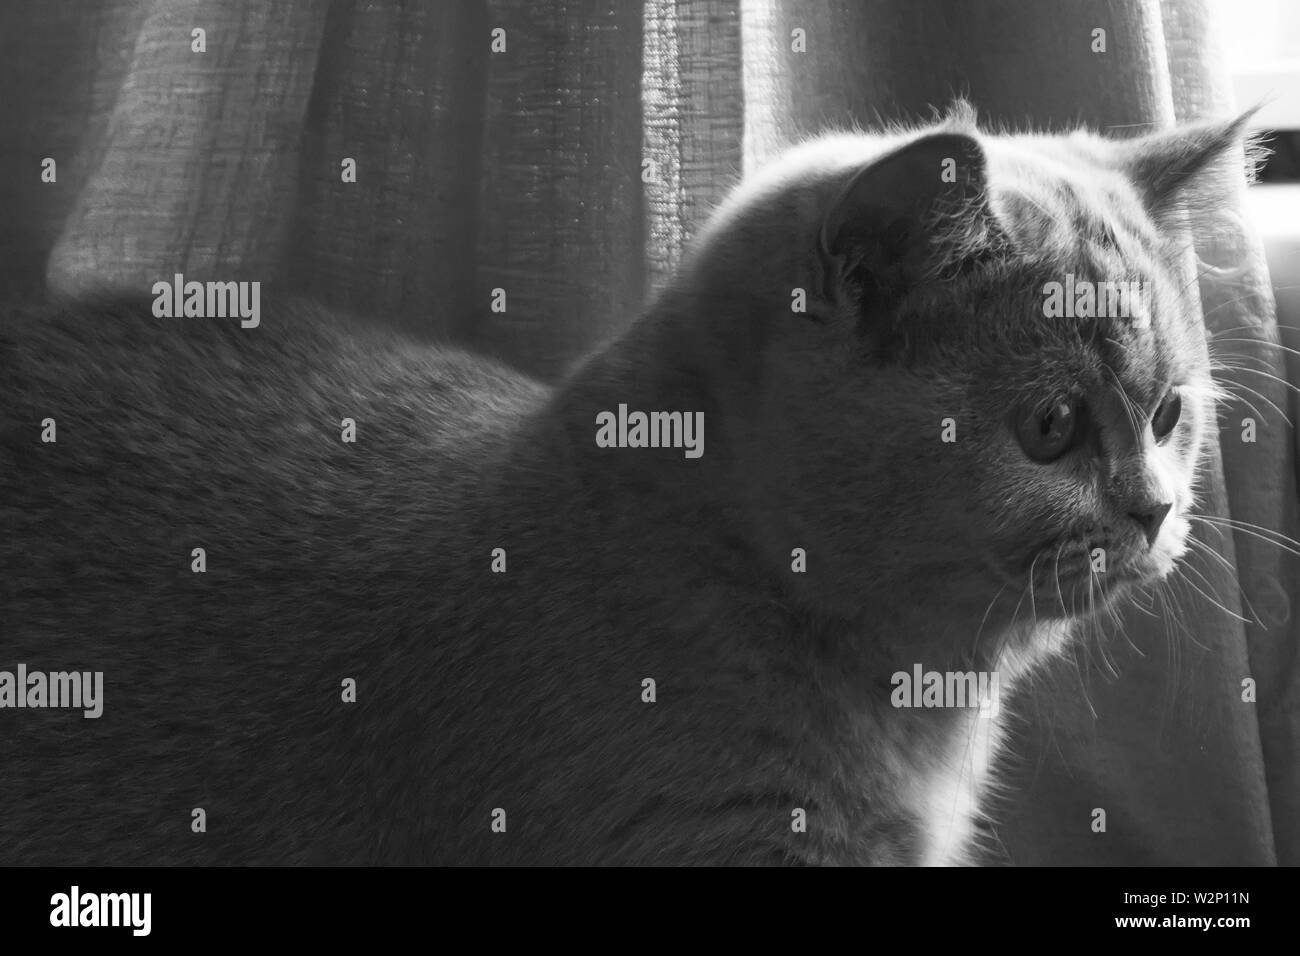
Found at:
[1055, 205]
[1076, 176]
[991, 325]
[1063, 208]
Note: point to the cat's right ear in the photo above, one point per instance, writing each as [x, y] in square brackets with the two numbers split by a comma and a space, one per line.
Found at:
[913, 215]
[1167, 166]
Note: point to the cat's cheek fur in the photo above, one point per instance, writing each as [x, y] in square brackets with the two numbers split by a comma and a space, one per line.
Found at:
[1170, 547]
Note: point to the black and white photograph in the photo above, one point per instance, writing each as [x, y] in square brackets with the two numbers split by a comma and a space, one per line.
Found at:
[649, 434]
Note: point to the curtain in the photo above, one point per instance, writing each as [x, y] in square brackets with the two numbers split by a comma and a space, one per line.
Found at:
[526, 173]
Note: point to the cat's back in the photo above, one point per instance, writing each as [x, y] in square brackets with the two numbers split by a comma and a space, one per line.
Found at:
[223, 522]
[122, 431]
[88, 358]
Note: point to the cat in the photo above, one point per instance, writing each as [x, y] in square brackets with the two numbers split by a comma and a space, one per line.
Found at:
[477, 634]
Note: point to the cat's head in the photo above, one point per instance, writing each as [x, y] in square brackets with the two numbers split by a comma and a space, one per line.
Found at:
[979, 361]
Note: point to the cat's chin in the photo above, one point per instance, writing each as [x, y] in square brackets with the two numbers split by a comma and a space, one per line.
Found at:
[1071, 577]
[1086, 592]
[1044, 620]
[1079, 589]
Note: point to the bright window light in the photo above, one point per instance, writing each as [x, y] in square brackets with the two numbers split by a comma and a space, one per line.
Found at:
[1263, 46]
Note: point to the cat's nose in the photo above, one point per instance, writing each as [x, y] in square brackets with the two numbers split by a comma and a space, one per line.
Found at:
[1150, 518]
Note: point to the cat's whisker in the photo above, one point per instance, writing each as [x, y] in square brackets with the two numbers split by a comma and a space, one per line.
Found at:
[1263, 420]
[1254, 293]
[1264, 398]
[1179, 600]
[1117, 617]
[1100, 635]
[1163, 607]
[1255, 328]
[1087, 632]
[1056, 576]
[1236, 397]
[1071, 613]
[984, 620]
[1112, 607]
[1033, 601]
[1178, 578]
[1281, 381]
[1192, 516]
[1264, 342]
[1203, 548]
[1220, 366]
[1287, 544]
[1137, 604]
[1209, 586]
[1029, 589]
[1173, 648]
[1112, 611]
[1081, 679]
[1094, 632]
[1219, 359]
[1222, 360]
[1192, 584]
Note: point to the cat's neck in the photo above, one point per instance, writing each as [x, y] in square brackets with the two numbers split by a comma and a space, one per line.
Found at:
[692, 519]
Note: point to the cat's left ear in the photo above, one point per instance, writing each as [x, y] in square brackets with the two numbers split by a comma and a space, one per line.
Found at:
[910, 216]
[1167, 165]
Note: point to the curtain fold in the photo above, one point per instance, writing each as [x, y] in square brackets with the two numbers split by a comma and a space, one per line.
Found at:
[561, 239]
[199, 150]
[64, 61]
[400, 92]
[1260, 476]
[693, 106]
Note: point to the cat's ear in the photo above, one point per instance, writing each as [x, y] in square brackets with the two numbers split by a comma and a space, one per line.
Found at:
[911, 215]
[1167, 165]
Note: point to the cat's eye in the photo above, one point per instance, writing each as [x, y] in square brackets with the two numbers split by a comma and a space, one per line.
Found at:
[1048, 433]
[1166, 416]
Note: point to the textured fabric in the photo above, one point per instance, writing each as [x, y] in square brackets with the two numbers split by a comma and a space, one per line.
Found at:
[1261, 477]
[562, 214]
[400, 91]
[200, 148]
[63, 63]
[693, 103]
[525, 173]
